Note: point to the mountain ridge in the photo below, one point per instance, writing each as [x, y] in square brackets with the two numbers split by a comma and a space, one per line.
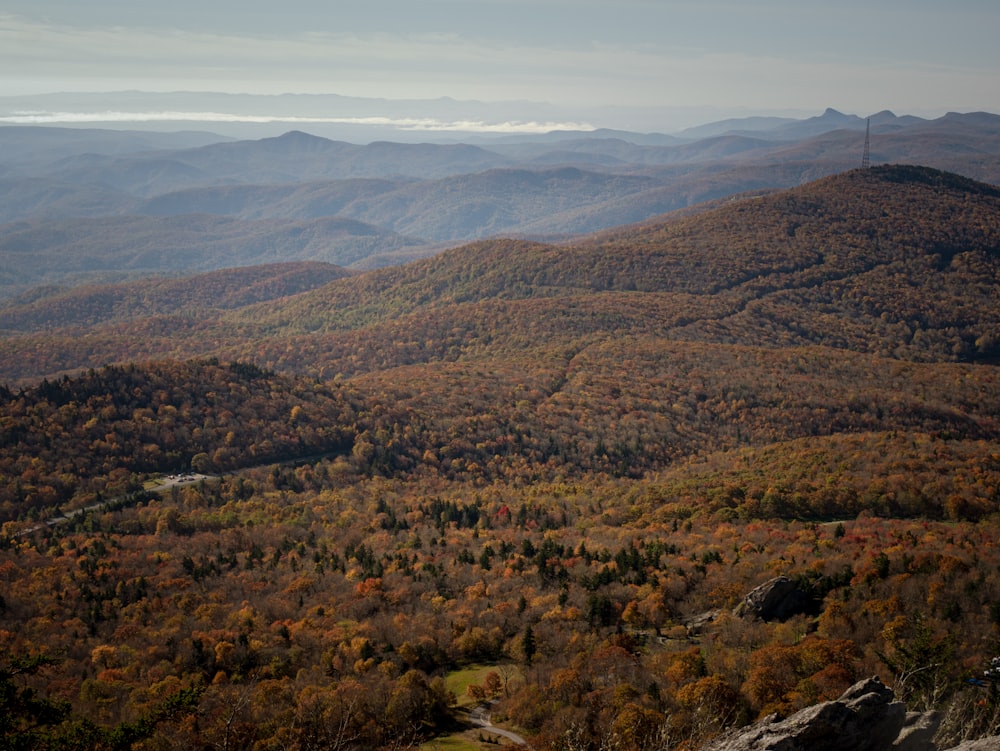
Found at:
[445, 194]
[98, 248]
[90, 305]
[797, 267]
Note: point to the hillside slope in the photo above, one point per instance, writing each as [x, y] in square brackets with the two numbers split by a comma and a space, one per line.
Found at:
[864, 302]
[92, 305]
[874, 261]
[549, 473]
[893, 261]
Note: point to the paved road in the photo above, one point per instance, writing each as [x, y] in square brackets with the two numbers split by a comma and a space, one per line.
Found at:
[165, 483]
[480, 717]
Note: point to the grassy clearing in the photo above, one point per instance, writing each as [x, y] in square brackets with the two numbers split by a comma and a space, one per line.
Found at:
[458, 681]
[454, 742]
[474, 739]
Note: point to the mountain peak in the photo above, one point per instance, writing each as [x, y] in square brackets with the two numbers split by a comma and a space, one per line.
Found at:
[299, 141]
[917, 175]
[299, 135]
[835, 117]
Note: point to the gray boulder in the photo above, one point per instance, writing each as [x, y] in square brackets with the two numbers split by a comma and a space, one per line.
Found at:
[776, 599]
[984, 744]
[864, 718]
[696, 624]
[918, 732]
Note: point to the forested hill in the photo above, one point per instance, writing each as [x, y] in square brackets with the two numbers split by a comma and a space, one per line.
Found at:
[865, 302]
[894, 261]
[97, 434]
[900, 261]
[90, 305]
[545, 475]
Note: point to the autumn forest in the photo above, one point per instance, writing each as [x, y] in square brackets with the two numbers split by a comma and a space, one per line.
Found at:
[293, 507]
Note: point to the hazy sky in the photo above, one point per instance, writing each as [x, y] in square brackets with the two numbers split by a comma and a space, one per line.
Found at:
[912, 56]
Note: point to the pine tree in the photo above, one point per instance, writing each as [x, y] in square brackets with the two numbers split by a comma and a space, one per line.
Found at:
[528, 644]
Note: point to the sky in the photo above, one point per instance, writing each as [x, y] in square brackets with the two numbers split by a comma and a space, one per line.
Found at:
[589, 57]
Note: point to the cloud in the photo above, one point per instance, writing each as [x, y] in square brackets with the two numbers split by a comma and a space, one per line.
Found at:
[400, 123]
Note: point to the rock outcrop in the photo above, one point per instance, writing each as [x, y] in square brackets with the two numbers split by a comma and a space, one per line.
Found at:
[865, 718]
[696, 624]
[918, 732]
[986, 744]
[776, 599]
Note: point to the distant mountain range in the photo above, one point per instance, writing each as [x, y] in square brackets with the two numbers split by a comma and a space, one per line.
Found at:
[92, 205]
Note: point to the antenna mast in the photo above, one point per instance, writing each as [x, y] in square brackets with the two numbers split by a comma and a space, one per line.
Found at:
[865, 158]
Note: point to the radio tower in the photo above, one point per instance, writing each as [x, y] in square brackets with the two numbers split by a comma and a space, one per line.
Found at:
[865, 157]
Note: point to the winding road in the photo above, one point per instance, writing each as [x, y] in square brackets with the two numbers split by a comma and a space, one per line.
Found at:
[480, 717]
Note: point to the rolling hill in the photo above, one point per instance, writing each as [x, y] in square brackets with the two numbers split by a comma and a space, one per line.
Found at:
[548, 474]
[843, 262]
[860, 303]
[91, 305]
